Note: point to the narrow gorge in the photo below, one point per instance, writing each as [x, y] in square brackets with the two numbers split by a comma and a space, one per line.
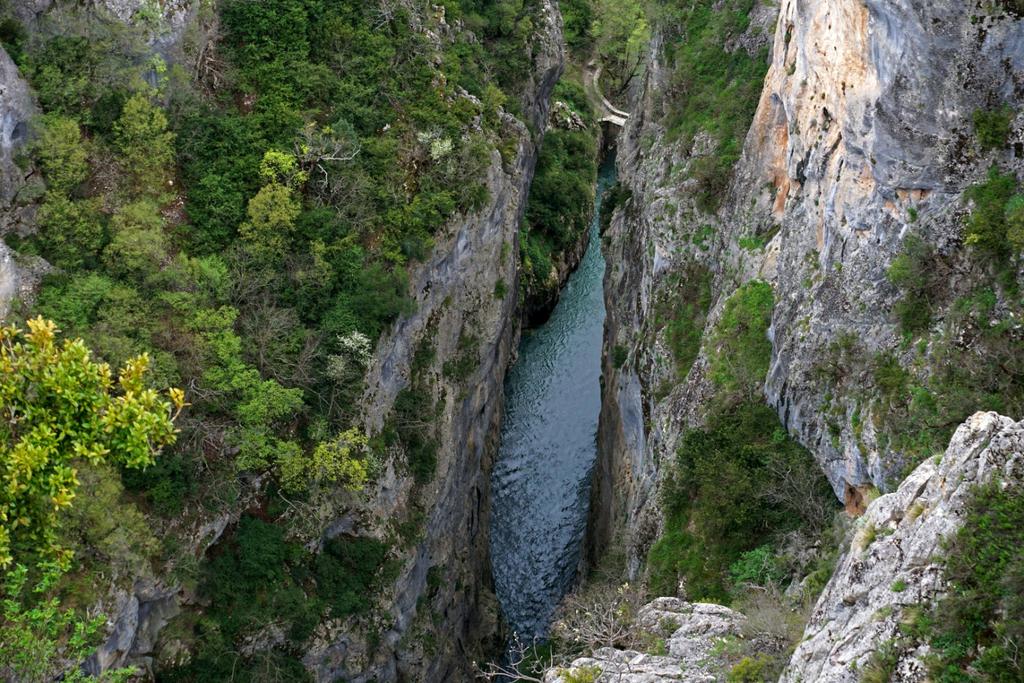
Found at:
[577, 341]
[540, 486]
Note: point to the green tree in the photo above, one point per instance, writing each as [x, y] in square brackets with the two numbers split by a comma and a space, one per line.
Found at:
[915, 272]
[146, 146]
[70, 231]
[137, 245]
[272, 213]
[62, 153]
[342, 461]
[621, 34]
[58, 407]
[259, 405]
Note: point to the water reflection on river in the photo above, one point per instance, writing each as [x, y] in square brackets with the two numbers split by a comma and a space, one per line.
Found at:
[541, 481]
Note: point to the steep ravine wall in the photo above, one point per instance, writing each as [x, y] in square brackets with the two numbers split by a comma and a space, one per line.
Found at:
[863, 133]
[455, 296]
[424, 630]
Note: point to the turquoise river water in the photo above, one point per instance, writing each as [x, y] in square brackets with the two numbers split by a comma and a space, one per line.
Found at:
[541, 481]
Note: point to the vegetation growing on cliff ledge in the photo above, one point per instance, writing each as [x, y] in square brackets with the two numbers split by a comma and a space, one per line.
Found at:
[739, 348]
[561, 197]
[714, 89]
[970, 345]
[63, 415]
[734, 485]
[976, 629]
[247, 218]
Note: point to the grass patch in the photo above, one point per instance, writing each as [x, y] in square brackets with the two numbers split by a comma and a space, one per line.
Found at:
[992, 127]
[683, 314]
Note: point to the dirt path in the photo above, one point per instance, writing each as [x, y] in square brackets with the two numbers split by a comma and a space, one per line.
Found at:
[606, 111]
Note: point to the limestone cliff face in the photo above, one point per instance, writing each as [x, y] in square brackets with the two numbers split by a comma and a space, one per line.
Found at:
[859, 609]
[423, 630]
[649, 244]
[863, 133]
[17, 107]
[865, 123]
[435, 630]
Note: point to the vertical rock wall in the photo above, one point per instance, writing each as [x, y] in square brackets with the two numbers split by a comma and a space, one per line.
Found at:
[17, 107]
[863, 133]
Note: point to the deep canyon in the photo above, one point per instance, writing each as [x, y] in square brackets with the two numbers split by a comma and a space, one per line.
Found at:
[724, 389]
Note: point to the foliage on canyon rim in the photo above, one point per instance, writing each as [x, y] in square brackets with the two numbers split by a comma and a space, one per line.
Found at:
[61, 407]
[243, 224]
[62, 412]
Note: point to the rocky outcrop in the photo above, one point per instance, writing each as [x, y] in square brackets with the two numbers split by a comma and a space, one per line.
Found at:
[17, 107]
[893, 566]
[692, 632]
[895, 561]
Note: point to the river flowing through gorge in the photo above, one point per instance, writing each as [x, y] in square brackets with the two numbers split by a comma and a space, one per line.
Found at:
[541, 480]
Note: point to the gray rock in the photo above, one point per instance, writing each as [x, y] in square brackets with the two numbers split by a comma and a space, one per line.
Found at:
[895, 561]
[695, 630]
[143, 612]
[17, 107]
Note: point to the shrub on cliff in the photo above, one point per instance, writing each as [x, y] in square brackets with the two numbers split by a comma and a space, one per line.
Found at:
[733, 485]
[59, 407]
[993, 226]
[739, 349]
[916, 274]
[977, 629]
[992, 127]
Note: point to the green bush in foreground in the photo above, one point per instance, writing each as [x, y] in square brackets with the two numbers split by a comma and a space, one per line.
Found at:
[979, 625]
[61, 407]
